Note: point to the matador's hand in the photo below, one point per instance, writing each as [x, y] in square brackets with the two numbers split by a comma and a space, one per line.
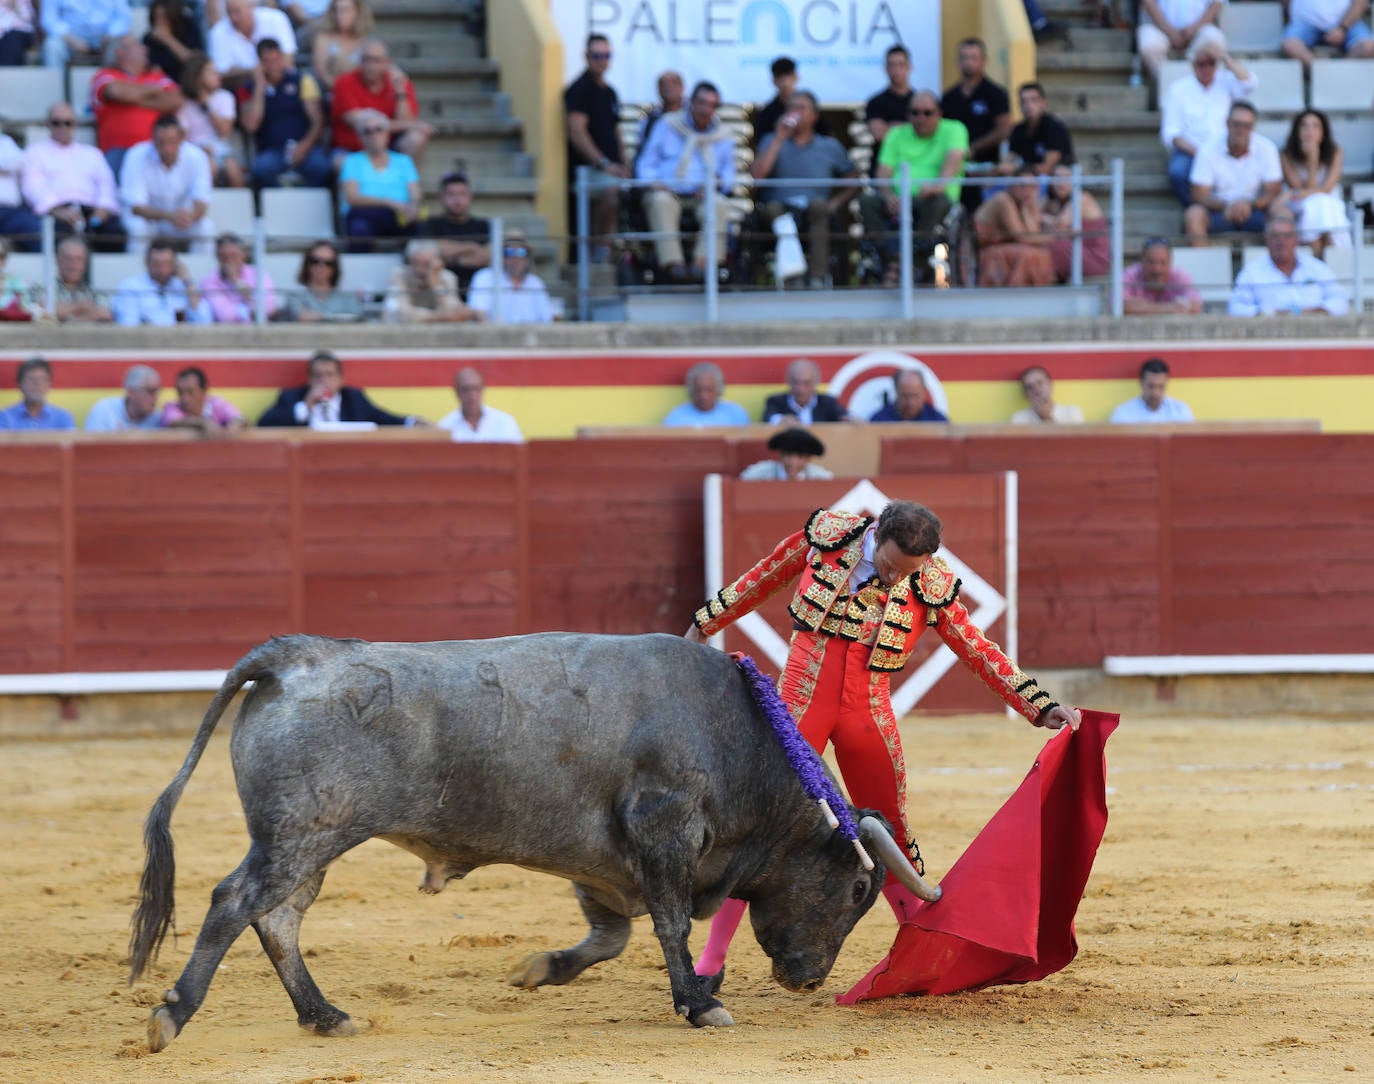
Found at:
[1057, 717]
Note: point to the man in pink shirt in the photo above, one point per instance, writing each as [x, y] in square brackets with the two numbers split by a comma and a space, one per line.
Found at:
[195, 409]
[128, 98]
[72, 182]
[1155, 286]
[377, 84]
[232, 287]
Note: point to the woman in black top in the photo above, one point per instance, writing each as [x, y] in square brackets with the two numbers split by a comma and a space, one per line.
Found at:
[173, 35]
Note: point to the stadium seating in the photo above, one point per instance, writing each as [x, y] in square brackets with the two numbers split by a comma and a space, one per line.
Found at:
[79, 90]
[231, 210]
[1343, 86]
[1210, 270]
[297, 214]
[26, 93]
[1252, 27]
[1280, 85]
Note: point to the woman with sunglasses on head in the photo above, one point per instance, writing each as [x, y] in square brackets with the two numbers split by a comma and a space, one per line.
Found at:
[379, 188]
[320, 299]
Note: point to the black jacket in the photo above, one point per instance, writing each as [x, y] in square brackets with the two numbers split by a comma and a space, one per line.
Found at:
[354, 406]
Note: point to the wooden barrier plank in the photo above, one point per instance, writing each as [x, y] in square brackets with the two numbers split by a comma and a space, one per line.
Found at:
[32, 540]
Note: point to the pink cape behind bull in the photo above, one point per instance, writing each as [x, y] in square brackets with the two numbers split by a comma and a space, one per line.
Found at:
[1009, 901]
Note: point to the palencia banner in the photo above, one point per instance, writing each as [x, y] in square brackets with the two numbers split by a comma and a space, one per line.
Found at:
[838, 44]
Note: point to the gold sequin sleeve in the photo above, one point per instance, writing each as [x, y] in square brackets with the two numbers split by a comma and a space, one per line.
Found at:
[1021, 692]
[760, 583]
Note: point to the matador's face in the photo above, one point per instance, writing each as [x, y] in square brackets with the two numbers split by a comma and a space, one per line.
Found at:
[893, 565]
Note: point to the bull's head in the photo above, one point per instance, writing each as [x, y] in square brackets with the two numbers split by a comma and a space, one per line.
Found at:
[802, 925]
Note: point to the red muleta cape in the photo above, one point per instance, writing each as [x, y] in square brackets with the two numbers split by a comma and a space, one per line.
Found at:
[1009, 901]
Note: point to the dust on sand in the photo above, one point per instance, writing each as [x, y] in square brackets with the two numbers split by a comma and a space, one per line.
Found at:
[1226, 934]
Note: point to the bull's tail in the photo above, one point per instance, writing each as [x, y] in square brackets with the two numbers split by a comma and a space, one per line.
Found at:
[156, 904]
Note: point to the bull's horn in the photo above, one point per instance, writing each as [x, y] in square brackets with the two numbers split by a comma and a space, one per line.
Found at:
[895, 859]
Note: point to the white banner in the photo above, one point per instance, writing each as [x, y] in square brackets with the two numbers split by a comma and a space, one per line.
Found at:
[838, 44]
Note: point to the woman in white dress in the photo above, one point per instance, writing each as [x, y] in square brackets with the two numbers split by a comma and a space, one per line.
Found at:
[1312, 166]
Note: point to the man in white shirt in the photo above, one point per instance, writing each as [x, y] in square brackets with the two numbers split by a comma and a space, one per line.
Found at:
[164, 188]
[1235, 180]
[135, 409]
[1342, 24]
[1176, 24]
[1286, 280]
[1195, 107]
[1043, 410]
[164, 295]
[233, 41]
[72, 182]
[1152, 405]
[524, 297]
[474, 422]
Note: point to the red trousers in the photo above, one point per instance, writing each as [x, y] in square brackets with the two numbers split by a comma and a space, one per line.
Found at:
[835, 698]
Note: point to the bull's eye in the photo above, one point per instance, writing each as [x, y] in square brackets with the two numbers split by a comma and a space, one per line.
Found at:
[860, 892]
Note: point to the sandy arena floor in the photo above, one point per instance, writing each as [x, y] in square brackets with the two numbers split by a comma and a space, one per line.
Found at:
[1226, 935]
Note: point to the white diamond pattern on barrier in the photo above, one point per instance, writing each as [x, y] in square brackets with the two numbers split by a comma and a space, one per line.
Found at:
[984, 602]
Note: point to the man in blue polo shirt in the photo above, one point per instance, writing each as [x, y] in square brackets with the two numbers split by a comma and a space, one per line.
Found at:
[33, 410]
[911, 404]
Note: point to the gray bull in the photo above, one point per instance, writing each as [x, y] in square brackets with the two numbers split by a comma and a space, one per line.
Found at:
[639, 768]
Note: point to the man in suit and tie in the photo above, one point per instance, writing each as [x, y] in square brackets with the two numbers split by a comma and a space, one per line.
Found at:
[326, 399]
[801, 403]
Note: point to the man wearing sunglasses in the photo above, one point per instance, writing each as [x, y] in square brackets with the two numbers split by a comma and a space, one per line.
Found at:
[1194, 109]
[935, 150]
[524, 297]
[72, 182]
[592, 108]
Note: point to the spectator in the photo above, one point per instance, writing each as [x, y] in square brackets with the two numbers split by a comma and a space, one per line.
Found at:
[795, 150]
[231, 289]
[423, 291]
[474, 421]
[982, 107]
[1152, 405]
[670, 100]
[1341, 24]
[891, 105]
[1177, 24]
[378, 86]
[1235, 179]
[17, 222]
[76, 302]
[33, 411]
[1058, 222]
[911, 404]
[765, 119]
[1195, 107]
[320, 299]
[135, 409]
[163, 295]
[164, 188]
[1312, 164]
[1284, 279]
[932, 147]
[234, 39]
[592, 108]
[1154, 286]
[81, 30]
[1041, 140]
[208, 116]
[685, 153]
[464, 239]
[14, 293]
[1013, 246]
[16, 32]
[72, 182]
[1043, 410]
[379, 189]
[802, 403]
[173, 35]
[127, 99]
[284, 114]
[524, 297]
[705, 405]
[195, 409]
[325, 400]
[794, 454]
[338, 44]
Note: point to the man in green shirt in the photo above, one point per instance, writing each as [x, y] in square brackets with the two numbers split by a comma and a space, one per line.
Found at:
[934, 148]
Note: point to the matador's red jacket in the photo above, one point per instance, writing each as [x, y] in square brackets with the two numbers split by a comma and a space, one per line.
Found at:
[823, 605]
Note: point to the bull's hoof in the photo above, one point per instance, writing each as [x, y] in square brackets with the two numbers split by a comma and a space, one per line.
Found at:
[537, 970]
[162, 1029]
[338, 1025]
[713, 1016]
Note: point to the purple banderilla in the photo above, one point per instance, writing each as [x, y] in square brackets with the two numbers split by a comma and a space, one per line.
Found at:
[804, 760]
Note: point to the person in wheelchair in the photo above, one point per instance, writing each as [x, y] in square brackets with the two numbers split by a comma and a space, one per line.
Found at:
[933, 147]
[794, 150]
